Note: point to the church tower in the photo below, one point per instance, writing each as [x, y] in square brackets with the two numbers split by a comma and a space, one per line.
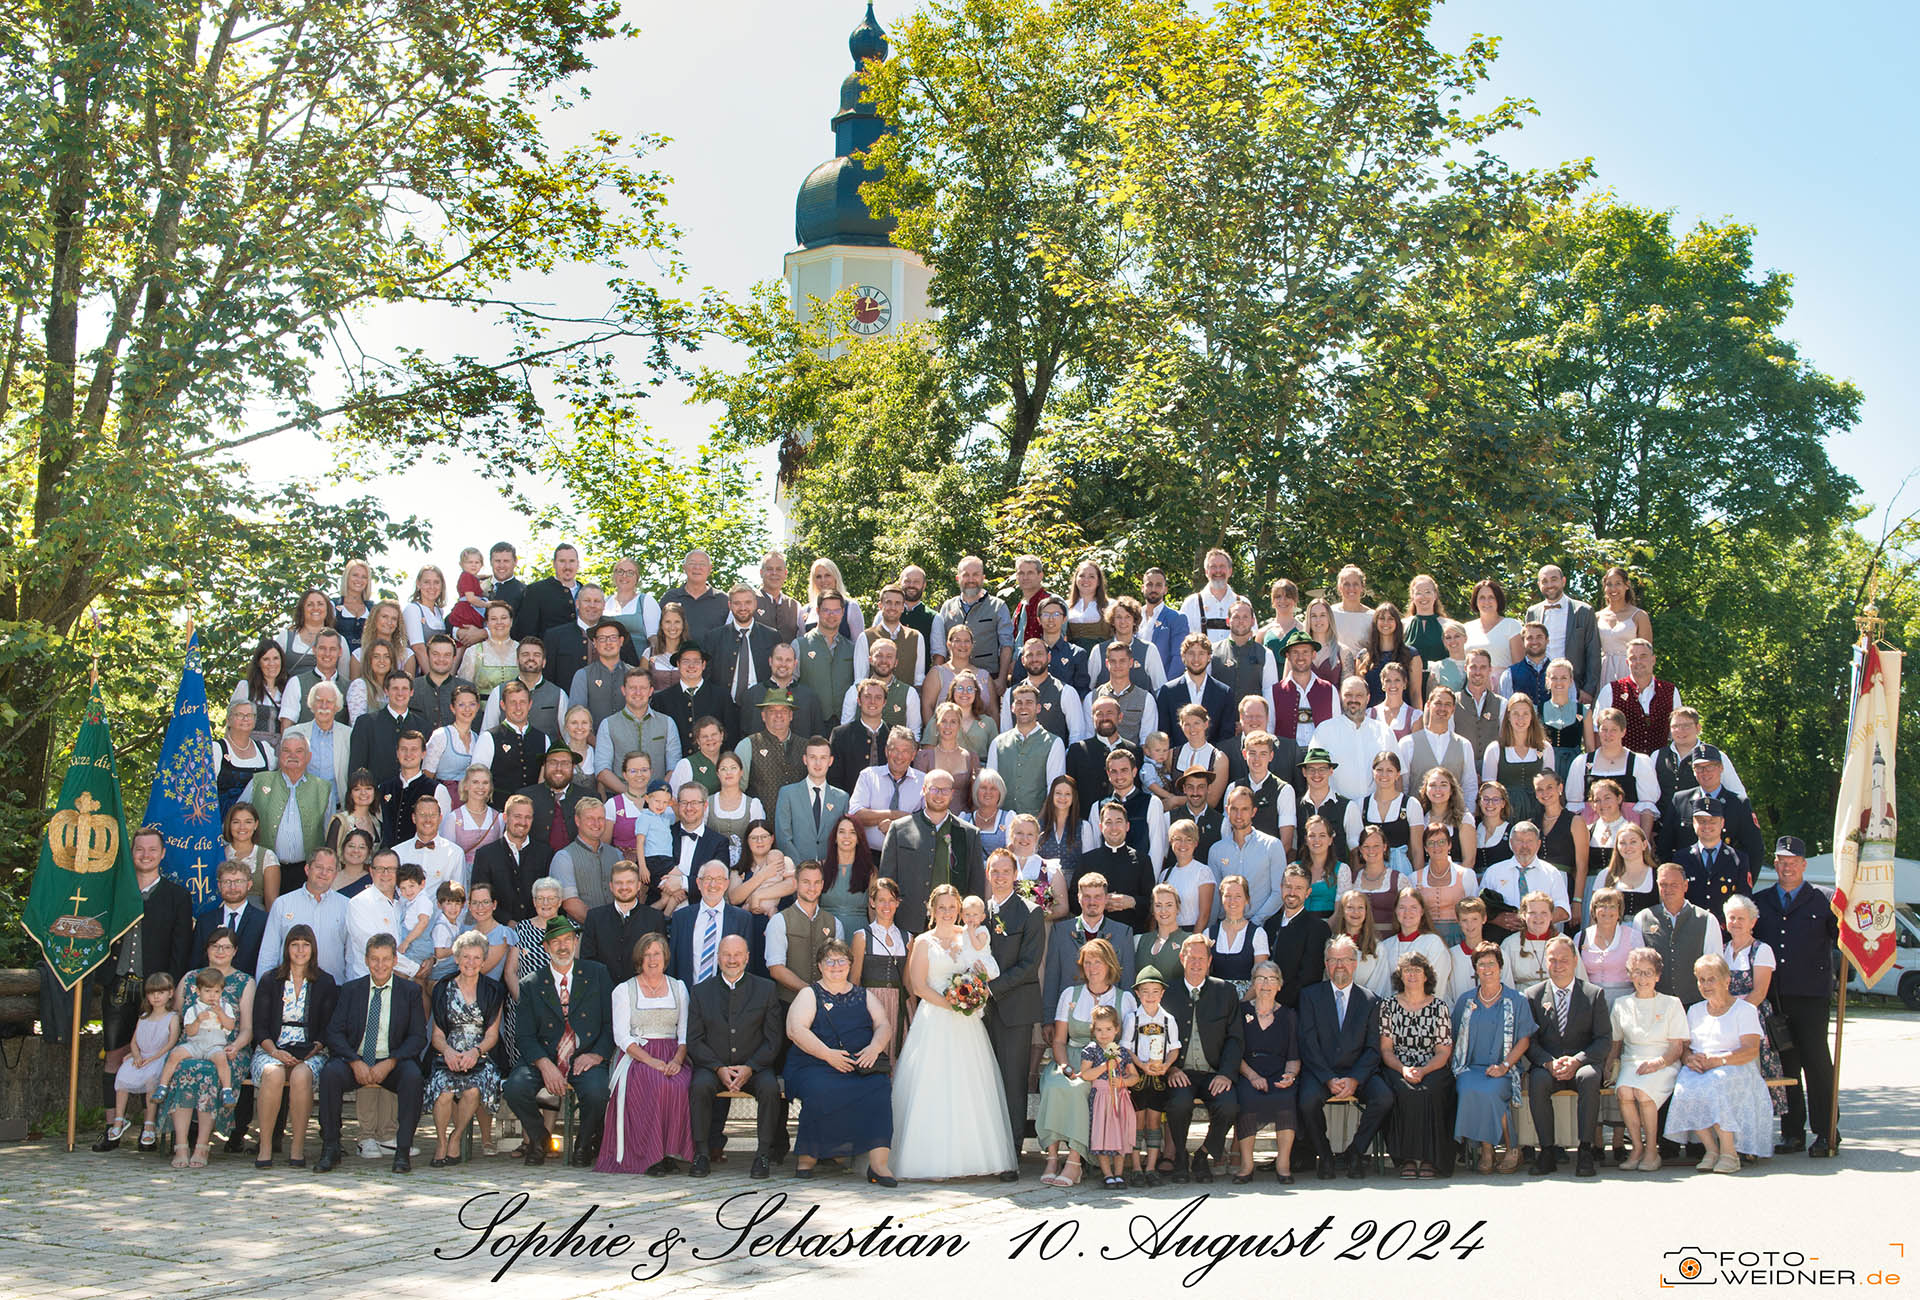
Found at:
[841, 244]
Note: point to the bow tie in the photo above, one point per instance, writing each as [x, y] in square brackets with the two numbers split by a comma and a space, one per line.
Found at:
[1553, 604]
[423, 844]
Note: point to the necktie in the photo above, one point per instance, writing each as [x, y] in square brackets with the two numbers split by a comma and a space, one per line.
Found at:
[557, 833]
[893, 800]
[709, 945]
[1560, 1008]
[816, 809]
[233, 922]
[1340, 1006]
[942, 854]
[371, 1039]
[564, 1053]
[742, 666]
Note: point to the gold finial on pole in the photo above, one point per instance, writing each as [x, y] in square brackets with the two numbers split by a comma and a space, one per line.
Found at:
[1868, 621]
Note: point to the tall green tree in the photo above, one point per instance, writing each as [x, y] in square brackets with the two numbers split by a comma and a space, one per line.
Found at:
[200, 198]
[1279, 169]
[994, 106]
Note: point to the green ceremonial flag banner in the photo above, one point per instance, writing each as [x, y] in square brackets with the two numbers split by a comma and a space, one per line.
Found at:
[84, 893]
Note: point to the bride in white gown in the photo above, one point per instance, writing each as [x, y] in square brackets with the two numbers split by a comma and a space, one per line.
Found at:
[949, 1108]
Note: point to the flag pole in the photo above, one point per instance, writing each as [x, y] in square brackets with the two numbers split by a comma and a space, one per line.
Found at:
[79, 985]
[1869, 623]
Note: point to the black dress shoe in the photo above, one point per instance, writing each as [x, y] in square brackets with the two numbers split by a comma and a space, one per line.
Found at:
[1820, 1149]
[1326, 1171]
[760, 1169]
[237, 1144]
[878, 1180]
[107, 1144]
[1202, 1168]
[1009, 1175]
[1356, 1167]
[702, 1166]
[1789, 1146]
[1584, 1165]
[533, 1153]
[402, 1163]
[1543, 1161]
[582, 1158]
[1180, 1173]
[803, 1173]
[329, 1159]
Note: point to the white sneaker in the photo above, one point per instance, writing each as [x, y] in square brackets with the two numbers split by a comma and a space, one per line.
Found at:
[388, 1148]
[370, 1150]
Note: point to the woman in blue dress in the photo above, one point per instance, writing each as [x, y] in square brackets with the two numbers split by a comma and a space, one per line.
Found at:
[1491, 1026]
[837, 1030]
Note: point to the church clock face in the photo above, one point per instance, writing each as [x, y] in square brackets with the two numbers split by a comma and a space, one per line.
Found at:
[872, 310]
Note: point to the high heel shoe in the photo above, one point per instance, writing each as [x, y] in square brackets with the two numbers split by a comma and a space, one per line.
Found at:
[1050, 1176]
[882, 1180]
[1071, 1174]
[1241, 1179]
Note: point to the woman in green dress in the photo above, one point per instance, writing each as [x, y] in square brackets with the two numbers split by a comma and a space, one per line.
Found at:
[1063, 1124]
[195, 1089]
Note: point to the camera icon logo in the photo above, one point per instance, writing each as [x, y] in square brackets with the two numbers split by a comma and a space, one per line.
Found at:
[1685, 1267]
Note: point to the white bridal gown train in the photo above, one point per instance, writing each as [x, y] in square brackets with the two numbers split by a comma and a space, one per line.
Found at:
[949, 1109]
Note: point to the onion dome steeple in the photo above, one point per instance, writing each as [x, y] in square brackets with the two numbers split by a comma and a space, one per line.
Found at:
[829, 209]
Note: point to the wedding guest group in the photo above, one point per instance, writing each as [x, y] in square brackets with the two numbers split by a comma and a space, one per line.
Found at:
[965, 877]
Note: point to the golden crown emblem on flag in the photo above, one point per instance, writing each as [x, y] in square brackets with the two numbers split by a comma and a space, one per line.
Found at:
[81, 840]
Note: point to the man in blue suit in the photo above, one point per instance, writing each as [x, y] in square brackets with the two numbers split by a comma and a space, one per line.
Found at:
[248, 921]
[805, 813]
[709, 915]
[375, 1039]
[1196, 686]
[1163, 626]
[1340, 1057]
[1797, 922]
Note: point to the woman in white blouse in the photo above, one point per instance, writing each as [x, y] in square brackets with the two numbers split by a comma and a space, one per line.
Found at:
[426, 613]
[1491, 630]
[1413, 932]
[1023, 841]
[1192, 881]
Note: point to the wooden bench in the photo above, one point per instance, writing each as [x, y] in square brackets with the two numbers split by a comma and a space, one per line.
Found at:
[1566, 1114]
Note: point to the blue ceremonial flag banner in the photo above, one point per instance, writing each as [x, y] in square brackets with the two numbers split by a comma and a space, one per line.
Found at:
[184, 802]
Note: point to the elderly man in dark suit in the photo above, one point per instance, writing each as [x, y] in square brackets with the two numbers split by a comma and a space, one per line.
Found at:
[1207, 1012]
[1572, 632]
[1572, 1036]
[1018, 938]
[694, 932]
[1340, 1059]
[374, 1040]
[735, 1026]
[1797, 922]
[931, 847]
[565, 1028]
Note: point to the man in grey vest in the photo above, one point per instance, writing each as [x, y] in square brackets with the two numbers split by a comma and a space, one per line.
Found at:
[637, 727]
[1060, 709]
[545, 700]
[1680, 932]
[597, 685]
[985, 615]
[1479, 708]
[1139, 715]
[1240, 660]
[826, 655]
[585, 867]
[1027, 756]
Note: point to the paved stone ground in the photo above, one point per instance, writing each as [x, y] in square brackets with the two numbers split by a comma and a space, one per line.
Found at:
[128, 1226]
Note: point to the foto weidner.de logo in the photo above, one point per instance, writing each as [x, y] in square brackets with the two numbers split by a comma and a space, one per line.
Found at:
[1698, 1266]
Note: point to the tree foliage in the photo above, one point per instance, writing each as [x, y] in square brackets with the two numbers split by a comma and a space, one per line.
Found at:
[200, 199]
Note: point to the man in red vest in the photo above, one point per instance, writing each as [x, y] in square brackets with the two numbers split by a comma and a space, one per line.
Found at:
[1647, 702]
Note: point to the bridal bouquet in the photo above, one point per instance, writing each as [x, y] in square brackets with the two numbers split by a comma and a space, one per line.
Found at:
[967, 992]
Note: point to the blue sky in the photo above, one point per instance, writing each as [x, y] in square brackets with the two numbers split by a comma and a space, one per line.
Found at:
[1788, 117]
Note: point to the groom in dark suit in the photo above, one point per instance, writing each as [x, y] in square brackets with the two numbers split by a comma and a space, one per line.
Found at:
[1018, 939]
[1340, 1057]
[566, 1035]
